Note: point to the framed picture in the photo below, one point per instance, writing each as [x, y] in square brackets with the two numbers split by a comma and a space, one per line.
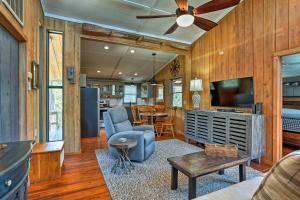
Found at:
[35, 75]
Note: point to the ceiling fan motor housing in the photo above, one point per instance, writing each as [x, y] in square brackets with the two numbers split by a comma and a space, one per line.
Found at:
[180, 12]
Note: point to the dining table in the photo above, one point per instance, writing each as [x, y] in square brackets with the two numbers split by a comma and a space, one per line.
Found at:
[153, 115]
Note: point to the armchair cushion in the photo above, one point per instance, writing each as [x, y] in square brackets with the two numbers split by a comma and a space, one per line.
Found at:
[144, 128]
[123, 126]
[118, 115]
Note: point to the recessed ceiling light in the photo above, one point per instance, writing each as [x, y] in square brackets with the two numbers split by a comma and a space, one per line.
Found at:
[98, 71]
[135, 74]
[132, 51]
[106, 47]
[120, 73]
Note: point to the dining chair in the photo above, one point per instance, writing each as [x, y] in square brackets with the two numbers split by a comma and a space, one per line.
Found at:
[136, 119]
[168, 124]
[160, 108]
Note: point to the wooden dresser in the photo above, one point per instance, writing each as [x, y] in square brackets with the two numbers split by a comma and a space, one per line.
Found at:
[47, 160]
[14, 170]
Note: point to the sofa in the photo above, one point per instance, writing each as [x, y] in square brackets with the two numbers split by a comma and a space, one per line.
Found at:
[117, 125]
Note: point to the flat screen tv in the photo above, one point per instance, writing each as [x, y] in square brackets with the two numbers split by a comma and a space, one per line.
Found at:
[232, 93]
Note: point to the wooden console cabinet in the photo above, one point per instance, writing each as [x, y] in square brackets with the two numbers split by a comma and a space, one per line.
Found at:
[245, 130]
[47, 160]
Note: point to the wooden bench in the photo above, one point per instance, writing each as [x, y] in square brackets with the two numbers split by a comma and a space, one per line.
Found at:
[47, 160]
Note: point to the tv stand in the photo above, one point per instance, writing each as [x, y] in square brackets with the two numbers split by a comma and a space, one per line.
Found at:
[226, 110]
[245, 130]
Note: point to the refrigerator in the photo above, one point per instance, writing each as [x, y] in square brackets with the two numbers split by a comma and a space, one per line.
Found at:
[89, 112]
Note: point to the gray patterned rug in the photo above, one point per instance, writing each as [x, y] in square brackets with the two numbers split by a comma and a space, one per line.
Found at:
[151, 179]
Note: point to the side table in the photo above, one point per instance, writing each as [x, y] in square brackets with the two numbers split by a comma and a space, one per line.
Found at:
[123, 162]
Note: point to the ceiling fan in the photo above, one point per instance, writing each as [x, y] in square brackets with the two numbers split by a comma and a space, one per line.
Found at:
[186, 15]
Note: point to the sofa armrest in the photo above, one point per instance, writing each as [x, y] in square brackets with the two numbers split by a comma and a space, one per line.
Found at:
[144, 128]
[138, 135]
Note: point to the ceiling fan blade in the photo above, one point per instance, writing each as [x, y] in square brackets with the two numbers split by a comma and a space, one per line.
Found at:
[204, 24]
[171, 29]
[215, 5]
[155, 16]
[182, 4]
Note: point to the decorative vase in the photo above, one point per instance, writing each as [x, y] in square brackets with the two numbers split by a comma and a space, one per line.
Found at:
[196, 98]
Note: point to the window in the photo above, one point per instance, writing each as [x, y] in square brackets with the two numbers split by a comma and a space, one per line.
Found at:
[160, 93]
[54, 86]
[16, 7]
[176, 92]
[130, 93]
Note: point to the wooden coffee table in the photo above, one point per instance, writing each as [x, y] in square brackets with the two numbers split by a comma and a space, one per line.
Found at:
[199, 164]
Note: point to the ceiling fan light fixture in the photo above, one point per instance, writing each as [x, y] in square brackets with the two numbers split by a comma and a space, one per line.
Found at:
[185, 20]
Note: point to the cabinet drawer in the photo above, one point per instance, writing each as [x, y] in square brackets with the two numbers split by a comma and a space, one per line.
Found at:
[12, 179]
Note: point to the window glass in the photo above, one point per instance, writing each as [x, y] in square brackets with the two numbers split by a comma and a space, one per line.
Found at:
[160, 93]
[130, 93]
[55, 59]
[176, 92]
[16, 8]
[55, 114]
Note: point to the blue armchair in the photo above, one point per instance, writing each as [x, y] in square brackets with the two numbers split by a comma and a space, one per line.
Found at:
[117, 125]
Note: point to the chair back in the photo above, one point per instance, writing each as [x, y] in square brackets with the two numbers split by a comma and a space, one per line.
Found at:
[172, 115]
[116, 120]
[142, 109]
[160, 108]
[134, 113]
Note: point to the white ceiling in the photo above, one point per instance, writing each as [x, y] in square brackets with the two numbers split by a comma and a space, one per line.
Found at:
[291, 66]
[118, 58]
[121, 15]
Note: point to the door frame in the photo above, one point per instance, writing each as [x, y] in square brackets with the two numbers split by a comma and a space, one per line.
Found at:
[277, 101]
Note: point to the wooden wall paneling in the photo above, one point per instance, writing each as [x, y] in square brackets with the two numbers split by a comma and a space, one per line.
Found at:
[248, 39]
[218, 70]
[201, 67]
[240, 37]
[225, 48]
[282, 25]
[206, 85]
[187, 78]
[212, 56]
[269, 48]
[258, 44]
[294, 28]
[231, 45]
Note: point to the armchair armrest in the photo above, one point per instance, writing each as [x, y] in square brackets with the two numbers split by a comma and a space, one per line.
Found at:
[144, 128]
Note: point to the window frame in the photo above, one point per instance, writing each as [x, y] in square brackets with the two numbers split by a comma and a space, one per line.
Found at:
[53, 86]
[136, 94]
[172, 93]
[21, 21]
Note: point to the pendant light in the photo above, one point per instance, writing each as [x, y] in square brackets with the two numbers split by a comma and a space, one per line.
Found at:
[152, 81]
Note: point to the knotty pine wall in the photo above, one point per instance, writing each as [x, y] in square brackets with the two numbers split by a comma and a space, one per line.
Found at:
[249, 36]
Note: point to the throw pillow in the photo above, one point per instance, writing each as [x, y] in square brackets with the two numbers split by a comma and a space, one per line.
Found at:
[283, 180]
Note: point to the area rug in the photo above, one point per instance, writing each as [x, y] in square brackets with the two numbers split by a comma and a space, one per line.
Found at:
[152, 178]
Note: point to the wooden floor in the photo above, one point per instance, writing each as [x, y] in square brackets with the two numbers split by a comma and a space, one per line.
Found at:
[82, 177]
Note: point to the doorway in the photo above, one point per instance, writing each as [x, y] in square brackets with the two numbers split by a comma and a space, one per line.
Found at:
[290, 103]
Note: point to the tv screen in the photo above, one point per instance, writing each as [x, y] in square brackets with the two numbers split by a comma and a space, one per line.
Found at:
[232, 93]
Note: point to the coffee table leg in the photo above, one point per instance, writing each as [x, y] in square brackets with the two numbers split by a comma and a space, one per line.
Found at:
[192, 188]
[242, 172]
[221, 172]
[174, 178]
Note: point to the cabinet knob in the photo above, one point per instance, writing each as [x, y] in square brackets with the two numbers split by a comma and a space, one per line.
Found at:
[8, 183]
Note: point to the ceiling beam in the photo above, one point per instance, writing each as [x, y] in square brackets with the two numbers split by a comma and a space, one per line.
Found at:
[94, 32]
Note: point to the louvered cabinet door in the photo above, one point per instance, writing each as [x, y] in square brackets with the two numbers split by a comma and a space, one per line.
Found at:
[202, 129]
[238, 129]
[219, 129]
[190, 124]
